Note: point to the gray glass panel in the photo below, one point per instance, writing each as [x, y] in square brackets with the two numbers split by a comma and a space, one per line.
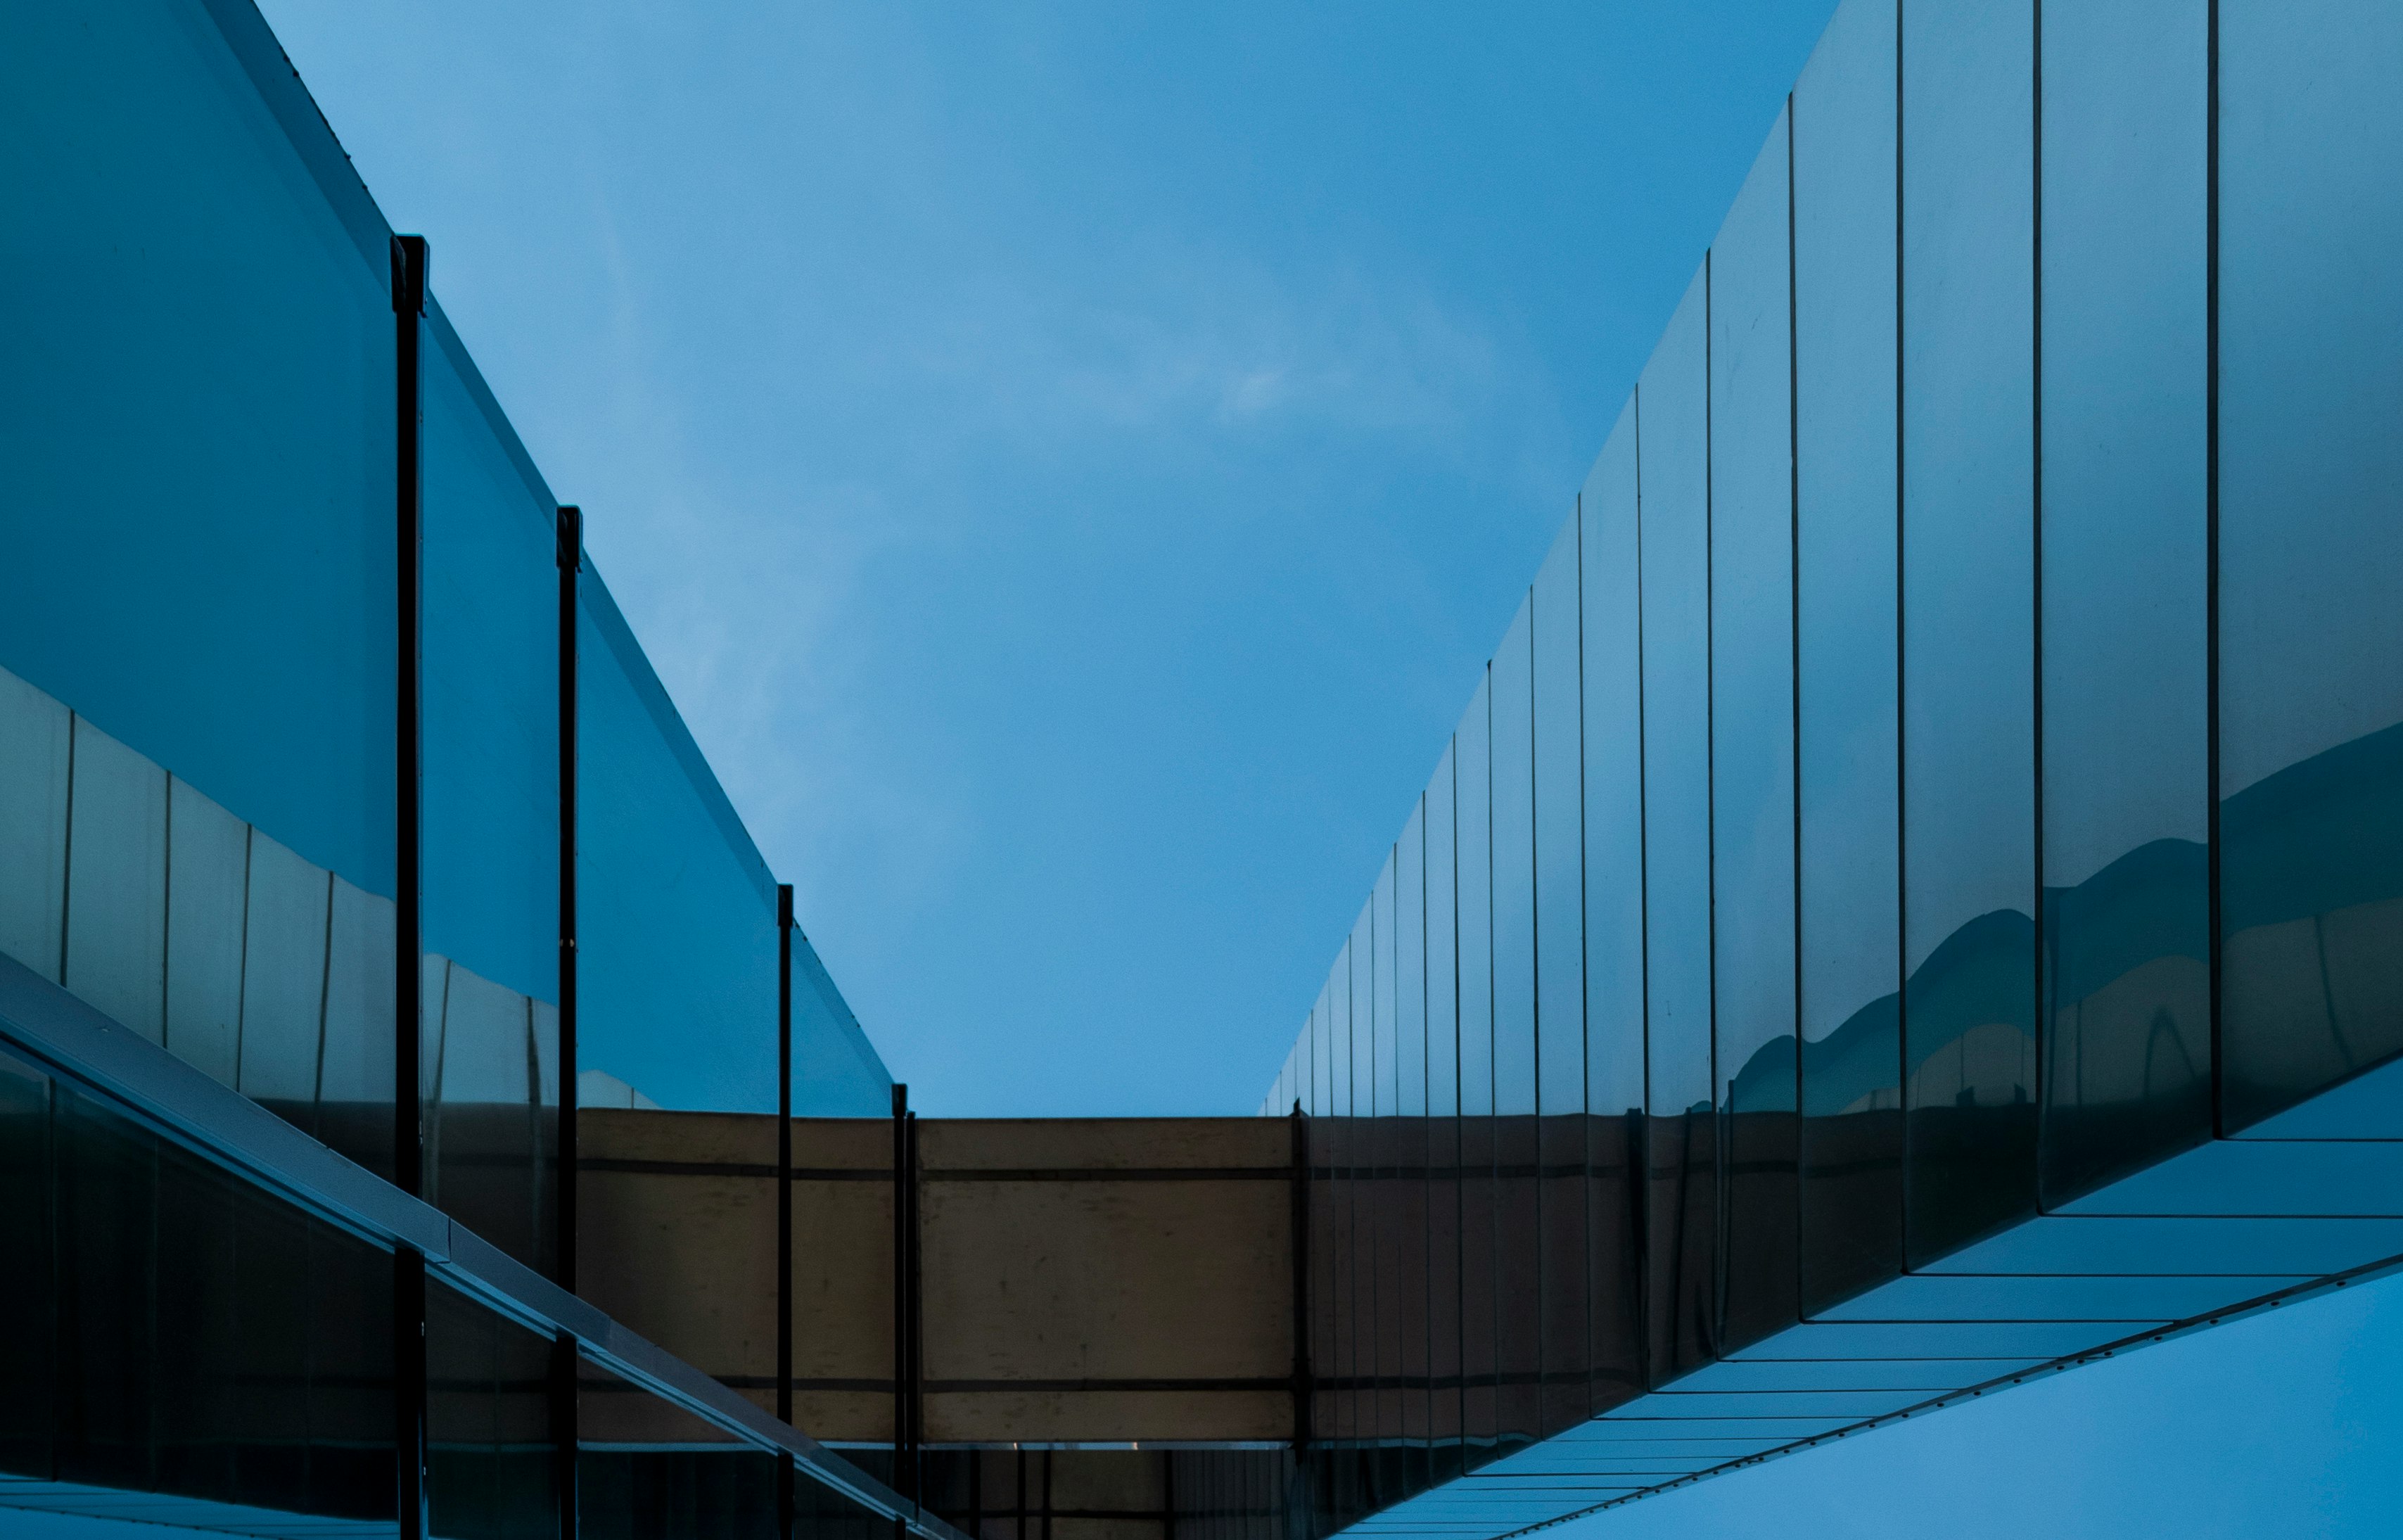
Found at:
[648, 1470]
[35, 734]
[355, 1073]
[1559, 830]
[1559, 1156]
[1673, 418]
[1613, 911]
[1473, 830]
[1411, 966]
[116, 883]
[2310, 534]
[1383, 1053]
[1442, 953]
[283, 979]
[1845, 477]
[208, 860]
[1514, 874]
[1752, 744]
[1968, 644]
[2126, 383]
[199, 472]
[1515, 1152]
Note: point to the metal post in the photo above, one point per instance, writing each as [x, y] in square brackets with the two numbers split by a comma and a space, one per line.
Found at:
[571, 561]
[409, 1392]
[408, 259]
[905, 1296]
[563, 1434]
[784, 1152]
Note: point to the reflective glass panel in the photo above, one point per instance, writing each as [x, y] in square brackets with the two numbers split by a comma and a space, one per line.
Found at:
[1473, 835]
[676, 912]
[489, 1039]
[1672, 417]
[648, 1470]
[1560, 1156]
[1443, 1122]
[208, 1352]
[837, 1072]
[2310, 533]
[1517, 1345]
[1845, 469]
[492, 1459]
[1752, 744]
[201, 553]
[1969, 601]
[2126, 380]
[1614, 911]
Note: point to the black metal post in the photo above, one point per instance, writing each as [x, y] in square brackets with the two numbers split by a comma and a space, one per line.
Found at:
[784, 1152]
[409, 1392]
[563, 1433]
[905, 1314]
[408, 259]
[571, 561]
[1300, 1241]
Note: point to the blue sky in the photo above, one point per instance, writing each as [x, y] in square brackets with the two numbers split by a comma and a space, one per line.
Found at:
[1069, 463]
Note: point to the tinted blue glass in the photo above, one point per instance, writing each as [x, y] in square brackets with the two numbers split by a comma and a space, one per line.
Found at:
[1673, 418]
[1408, 1136]
[1968, 644]
[1614, 911]
[1560, 983]
[2126, 377]
[200, 594]
[675, 913]
[646, 1470]
[490, 839]
[234, 567]
[1473, 867]
[1752, 744]
[1845, 556]
[836, 1073]
[2310, 533]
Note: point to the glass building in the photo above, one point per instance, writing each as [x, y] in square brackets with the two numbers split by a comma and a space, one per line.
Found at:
[1912, 905]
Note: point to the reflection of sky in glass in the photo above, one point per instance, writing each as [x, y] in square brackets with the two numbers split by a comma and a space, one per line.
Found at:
[1674, 544]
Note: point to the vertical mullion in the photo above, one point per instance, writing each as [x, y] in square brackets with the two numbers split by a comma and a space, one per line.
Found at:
[408, 263]
[571, 562]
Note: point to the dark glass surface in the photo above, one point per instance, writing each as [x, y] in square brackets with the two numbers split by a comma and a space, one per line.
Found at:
[1968, 605]
[1752, 748]
[1473, 867]
[1613, 912]
[1681, 1202]
[646, 1470]
[2310, 534]
[27, 1364]
[1846, 468]
[2126, 380]
[491, 1465]
[1562, 1253]
[1517, 1340]
[205, 1341]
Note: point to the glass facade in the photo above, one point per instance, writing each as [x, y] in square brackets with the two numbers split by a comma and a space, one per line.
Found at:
[1942, 767]
[325, 758]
